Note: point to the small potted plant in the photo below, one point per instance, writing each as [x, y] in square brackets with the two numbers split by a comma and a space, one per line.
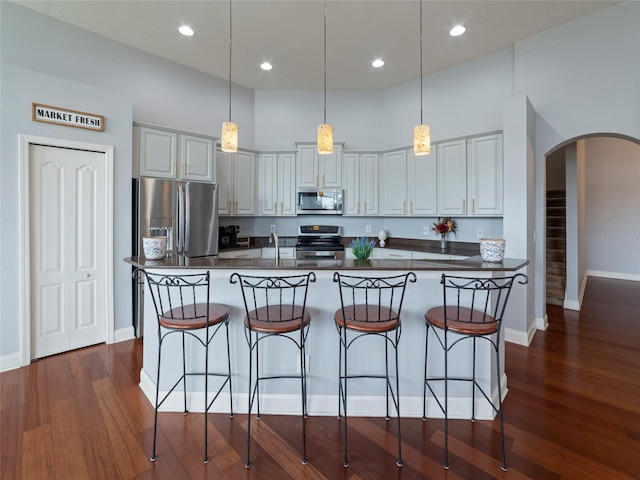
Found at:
[362, 247]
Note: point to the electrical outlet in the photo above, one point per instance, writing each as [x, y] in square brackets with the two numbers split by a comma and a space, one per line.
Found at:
[479, 233]
[368, 229]
[306, 361]
[425, 230]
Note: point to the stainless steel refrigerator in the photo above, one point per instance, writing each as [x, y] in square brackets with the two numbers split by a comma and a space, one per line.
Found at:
[185, 212]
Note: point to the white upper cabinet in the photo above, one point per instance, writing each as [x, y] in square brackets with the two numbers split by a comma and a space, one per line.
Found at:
[393, 183]
[360, 176]
[168, 154]
[318, 171]
[422, 184]
[277, 184]
[470, 177]
[452, 178]
[408, 184]
[485, 183]
[236, 177]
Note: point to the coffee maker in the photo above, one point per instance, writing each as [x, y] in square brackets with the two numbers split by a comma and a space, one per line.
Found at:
[228, 236]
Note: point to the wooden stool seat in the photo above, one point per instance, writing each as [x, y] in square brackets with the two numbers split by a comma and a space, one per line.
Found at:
[462, 320]
[277, 319]
[367, 318]
[191, 317]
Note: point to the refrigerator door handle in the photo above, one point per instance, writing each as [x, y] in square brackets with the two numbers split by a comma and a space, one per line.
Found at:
[180, 221]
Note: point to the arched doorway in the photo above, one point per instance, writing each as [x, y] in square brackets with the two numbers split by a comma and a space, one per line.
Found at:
[592, 224]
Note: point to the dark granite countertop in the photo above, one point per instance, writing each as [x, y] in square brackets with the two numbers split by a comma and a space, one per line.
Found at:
[473, 263]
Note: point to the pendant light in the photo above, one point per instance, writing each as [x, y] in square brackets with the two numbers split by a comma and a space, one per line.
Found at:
[422, 132]
[229, 137]
[325, 130]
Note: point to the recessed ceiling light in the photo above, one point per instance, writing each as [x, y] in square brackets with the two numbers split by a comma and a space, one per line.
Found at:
[186, 30]
[266, 66]
[377, 63]
[457, 31]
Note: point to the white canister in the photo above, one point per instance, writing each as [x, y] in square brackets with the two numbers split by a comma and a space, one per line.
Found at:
[154, 248]
[492, 249]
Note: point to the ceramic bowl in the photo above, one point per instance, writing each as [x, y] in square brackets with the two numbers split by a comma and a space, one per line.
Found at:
[154, 248]
[492, 249]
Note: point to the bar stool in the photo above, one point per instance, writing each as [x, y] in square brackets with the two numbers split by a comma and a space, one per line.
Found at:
[183, 307]
[473, 309]
[275, 308]
[369, 306]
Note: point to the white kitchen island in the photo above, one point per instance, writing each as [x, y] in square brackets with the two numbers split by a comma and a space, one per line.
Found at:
[366, 396]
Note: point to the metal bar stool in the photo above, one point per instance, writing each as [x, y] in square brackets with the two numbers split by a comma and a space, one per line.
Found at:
[369, 306]
[275, 308]
[183, 307]
[473, 309]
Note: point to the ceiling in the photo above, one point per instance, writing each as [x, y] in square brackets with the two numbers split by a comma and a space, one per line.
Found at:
[289, 34]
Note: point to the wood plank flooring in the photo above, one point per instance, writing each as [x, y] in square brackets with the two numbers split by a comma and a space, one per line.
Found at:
[572, 412]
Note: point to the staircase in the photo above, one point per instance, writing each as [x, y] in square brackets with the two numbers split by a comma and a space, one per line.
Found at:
[556, 246]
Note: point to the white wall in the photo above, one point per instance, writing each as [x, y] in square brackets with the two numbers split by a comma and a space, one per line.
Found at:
[581, 78]
[19, 89]
[613, 207]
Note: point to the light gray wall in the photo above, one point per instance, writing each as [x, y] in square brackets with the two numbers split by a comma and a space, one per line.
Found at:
[568, 77]
[577, 87]
[19, 89]
[613, 207]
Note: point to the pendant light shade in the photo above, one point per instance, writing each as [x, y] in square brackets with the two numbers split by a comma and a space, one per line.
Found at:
[229, 141]
[325, 130]
[422, 132]
[325, 139]
[421, 140]
[229, 137]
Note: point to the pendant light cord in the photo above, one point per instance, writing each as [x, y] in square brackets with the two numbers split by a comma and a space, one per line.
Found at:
[421, 62]
[230, 36]
[325, 61]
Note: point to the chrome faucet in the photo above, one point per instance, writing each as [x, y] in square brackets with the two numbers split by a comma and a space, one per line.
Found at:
[277, 243]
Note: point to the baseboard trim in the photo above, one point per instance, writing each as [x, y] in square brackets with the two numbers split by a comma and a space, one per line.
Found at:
[123, 334]
[634, 277]
[10, 361]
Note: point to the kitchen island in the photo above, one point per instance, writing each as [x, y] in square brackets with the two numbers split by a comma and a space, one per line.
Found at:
[366, 397]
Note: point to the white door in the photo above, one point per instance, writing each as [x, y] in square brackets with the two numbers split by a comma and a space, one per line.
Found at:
[67, 247]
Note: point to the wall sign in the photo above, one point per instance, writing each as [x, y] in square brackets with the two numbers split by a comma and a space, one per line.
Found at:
[64, 116]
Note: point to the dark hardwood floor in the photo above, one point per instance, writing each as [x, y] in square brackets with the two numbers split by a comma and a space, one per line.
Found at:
[572, 412]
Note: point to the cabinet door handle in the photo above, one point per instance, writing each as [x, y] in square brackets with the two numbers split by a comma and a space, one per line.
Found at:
[464, 206]
[473, 205]
[358, 208]
[275, 207]
[317, 181]
[404, 207]
[236, 208]
[323, 182]
[175, 168]
[184, 169]
[365, 208]
[411, 206]
[229, 207]
[395, 255]
[281, 208]
[242, 255]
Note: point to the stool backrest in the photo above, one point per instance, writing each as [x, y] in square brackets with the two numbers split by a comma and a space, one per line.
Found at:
[382, 297]
[274, 298]
[487, 297]
[173, 295]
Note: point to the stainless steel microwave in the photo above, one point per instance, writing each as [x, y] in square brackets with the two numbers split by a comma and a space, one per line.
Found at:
[319, 201]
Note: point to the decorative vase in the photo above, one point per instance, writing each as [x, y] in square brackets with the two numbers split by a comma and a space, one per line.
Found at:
[443, 242]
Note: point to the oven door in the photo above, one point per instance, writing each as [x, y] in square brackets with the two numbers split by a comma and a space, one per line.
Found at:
[312, 201]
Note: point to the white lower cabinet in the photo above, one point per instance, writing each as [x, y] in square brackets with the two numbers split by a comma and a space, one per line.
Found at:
[285, 252]
[392, 254]
[248, 253]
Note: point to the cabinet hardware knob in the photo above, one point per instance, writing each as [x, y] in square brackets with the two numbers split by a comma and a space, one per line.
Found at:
[86, 275]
